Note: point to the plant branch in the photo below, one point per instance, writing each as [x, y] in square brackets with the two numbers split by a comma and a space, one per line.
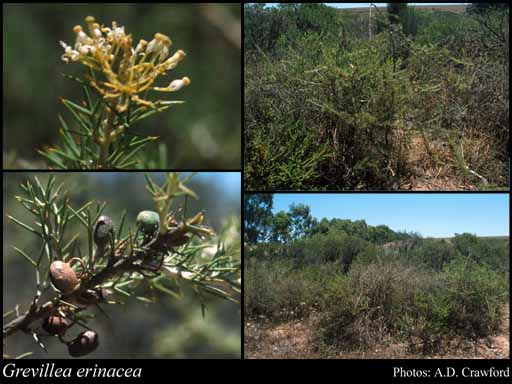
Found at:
[36, 313]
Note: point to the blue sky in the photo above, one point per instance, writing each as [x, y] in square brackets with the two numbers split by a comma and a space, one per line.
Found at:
[229, 181]
[432, 215]
[360, 5]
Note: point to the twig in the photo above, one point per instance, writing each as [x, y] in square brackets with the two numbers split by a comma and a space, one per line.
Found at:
[22, 322]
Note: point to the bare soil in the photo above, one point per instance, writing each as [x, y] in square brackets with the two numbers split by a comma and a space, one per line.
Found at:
[296, 340]
[431, 167]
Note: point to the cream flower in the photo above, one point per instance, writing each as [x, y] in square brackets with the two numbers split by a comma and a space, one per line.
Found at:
[127, 72]
[173, 61]
[175, 85]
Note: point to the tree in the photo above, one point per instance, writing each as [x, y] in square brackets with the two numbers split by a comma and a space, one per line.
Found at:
[465, 243]
[396, 12]
[301, 221]
[257, 216]
[263, 26]
[481, 8]
[400, 13]
[281, 225]
[321, 227]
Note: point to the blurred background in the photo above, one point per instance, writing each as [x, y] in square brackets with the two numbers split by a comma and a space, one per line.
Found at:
[205, 132]
[168, 329]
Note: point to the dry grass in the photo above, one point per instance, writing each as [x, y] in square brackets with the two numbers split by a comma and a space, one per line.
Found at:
[296, 340]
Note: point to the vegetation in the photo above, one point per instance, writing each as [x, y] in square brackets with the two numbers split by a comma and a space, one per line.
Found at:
[91, 253]
[367, 285]
[203, 133]
[411, 99]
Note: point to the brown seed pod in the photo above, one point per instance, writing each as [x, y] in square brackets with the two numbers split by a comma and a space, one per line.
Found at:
[103, 231]
[62, 276]
[93, 296]
[85, 343]
[176, 238]
[56, 325]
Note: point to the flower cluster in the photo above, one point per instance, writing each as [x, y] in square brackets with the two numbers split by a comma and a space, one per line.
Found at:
[126, 71]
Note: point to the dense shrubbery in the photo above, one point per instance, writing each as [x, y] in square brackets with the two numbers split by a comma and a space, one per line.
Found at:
[326, 108]
[276, 289]
[416, 290]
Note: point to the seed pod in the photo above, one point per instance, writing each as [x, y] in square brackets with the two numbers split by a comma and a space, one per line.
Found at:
[63, 276]
[56, 325]
[148, 222]
[85, 343]
[93, 296]
[176, 238]
[103, 231]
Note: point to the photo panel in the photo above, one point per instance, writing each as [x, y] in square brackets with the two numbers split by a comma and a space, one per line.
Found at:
[119, 265]
[376, 96]
[376, 276]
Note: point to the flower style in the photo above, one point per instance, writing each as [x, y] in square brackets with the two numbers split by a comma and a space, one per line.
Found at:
[126, 71]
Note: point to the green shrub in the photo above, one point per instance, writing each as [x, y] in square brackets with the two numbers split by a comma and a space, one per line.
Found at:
[388, 297]
[362, 308]
[476, 296]
[277, 290]
[326, 108]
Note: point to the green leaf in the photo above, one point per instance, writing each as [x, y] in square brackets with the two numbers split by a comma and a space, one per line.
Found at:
[121, 225]
[76, 213]
[143, 115]
[23, 225]
[126, 159]
[74, 78]
[144, 299]
[27, 257]
[136, 142]
[8, 313]
[151, 184]
[68, 139]
[166, 290]
[67, 155]
[87, 96]
[71, 107]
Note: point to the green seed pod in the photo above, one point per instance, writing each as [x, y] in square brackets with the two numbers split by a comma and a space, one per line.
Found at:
[103, 231]
[56, 325]
[148, 222]
[63, 276]
[85, 343]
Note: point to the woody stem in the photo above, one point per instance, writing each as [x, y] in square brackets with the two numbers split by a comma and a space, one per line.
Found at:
[107, 139]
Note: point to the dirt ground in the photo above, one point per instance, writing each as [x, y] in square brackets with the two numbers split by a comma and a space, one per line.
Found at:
[295, 340]
[429, 175]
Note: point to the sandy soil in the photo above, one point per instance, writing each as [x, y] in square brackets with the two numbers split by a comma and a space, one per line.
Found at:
[429, 176]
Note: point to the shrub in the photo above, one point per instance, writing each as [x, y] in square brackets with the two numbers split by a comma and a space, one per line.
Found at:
[475, 295]
[364, 307]
[277, 290]
[388, 297]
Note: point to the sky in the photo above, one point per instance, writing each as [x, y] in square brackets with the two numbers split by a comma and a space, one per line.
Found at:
[360, 5]
[229, 181]
[357, 5]
[432, 215]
